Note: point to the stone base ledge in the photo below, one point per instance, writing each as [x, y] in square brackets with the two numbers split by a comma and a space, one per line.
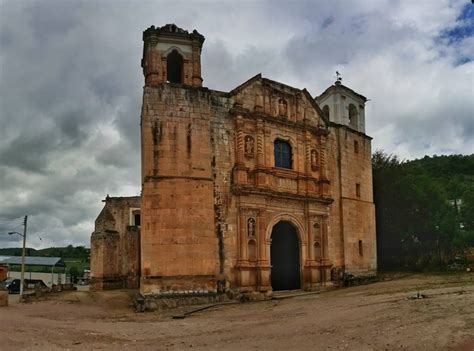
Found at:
[161, 302]
[100, 284]
[167, 301]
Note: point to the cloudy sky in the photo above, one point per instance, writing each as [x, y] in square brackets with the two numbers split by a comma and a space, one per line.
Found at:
[71, 82]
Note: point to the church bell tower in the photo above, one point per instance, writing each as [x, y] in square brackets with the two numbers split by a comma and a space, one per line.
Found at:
[179, 248]
[172, 55]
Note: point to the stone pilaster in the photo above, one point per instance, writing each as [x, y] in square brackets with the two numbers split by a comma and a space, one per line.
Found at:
[240, 141]
[260, 144]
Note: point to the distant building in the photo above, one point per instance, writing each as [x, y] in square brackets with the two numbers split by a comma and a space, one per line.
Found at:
[258, 189]
[48, 263]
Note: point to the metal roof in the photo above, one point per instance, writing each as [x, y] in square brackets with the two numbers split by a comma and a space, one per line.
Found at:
[34, 261]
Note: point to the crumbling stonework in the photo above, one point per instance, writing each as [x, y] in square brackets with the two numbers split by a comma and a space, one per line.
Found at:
[231, 180]
[115, 245]
[3, 272]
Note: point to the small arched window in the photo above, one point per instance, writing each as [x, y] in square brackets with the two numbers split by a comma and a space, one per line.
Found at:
[282, 154]
[174, 67]
[326, 111]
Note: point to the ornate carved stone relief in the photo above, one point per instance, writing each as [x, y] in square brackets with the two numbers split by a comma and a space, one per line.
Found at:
[282, 108]
[251, 227]
[249, 146]
[314, 160]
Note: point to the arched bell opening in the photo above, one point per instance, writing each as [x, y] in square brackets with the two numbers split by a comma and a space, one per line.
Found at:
[353, 116]
[174, 67]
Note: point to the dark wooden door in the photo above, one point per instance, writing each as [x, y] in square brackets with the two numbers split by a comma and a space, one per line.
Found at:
[285, 257]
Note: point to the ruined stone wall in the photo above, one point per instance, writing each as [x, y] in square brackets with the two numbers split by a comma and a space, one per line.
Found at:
[115, 246]
[225, 204]
[3, 272]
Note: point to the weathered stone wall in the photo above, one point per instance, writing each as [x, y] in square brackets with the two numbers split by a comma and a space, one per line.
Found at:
[3, 272]
[180, 246]
[115, 246]
[356, 200]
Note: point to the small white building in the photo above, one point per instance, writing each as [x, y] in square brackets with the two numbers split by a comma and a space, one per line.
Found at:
[48, 278]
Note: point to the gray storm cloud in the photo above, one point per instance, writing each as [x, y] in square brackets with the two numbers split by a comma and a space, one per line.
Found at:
[71, 82]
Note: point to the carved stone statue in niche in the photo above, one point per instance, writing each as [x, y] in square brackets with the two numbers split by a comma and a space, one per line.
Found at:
[314, 160]
[282, 107]
[251, 227]
[249, 146]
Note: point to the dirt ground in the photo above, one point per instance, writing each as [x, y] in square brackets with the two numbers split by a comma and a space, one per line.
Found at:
[378, 316]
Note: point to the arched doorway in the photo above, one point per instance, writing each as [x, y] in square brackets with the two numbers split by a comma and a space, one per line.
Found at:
[285, 257]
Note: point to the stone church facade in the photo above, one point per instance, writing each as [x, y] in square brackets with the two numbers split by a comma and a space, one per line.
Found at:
[258, 189]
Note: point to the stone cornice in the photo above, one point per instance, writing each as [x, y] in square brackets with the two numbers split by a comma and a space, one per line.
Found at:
[244, 189]
[161, 177]
[303, 126]
[349, 129]
[172, 30]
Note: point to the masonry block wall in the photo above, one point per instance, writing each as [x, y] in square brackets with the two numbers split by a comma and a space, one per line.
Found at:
[353, 210]
[179, 241]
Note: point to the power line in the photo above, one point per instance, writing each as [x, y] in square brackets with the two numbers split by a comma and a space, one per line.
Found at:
[11, 224]
[8, 221]
[11, 219]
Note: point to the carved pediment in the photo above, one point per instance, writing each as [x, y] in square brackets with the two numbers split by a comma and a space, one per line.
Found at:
[279, 101]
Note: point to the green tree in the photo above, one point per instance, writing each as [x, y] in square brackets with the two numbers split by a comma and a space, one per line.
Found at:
[74, 272]
[417, 224]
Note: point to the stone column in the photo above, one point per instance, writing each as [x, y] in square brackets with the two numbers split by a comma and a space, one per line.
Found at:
[322, 157]
[263, 254]
[196, 64]
[258, 103]
[243, 246]
[240, 141]
[326, 263]
[261, 233]
[324, 238]
[312, 235]
[308, 153]
[260, 144]
[152, 63]
[298, 108]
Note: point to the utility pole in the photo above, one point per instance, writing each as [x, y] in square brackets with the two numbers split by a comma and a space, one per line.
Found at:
[22, 282]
